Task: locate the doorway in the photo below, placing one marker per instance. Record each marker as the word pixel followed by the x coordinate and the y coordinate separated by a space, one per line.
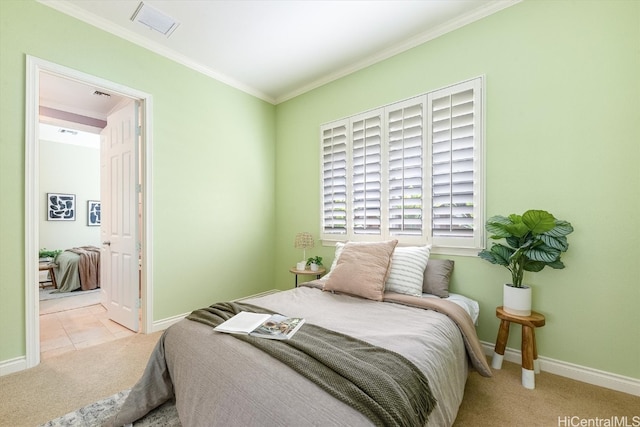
pixel 34 203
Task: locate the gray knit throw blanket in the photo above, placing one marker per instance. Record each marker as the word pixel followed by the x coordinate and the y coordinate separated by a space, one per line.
pixel 381 384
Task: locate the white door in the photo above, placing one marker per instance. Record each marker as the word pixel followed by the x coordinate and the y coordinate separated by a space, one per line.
pixel 119 186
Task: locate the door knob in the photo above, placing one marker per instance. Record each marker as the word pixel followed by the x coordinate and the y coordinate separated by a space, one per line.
pixel 107 243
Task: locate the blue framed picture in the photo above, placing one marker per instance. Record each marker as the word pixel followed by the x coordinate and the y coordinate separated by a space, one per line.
pixel 93 213
pixel 61 207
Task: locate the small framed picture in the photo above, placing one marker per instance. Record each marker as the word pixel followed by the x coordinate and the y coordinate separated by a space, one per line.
pixel 61 207
pixel 93 213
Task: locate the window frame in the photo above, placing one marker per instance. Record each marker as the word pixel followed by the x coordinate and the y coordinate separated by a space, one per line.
pixel 442 245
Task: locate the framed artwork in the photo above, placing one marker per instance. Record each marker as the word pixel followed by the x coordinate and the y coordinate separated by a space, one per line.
pixel 93 213
pixel 61 207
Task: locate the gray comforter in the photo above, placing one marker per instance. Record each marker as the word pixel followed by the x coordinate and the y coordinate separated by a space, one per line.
pixel 381 384
pixel 218 380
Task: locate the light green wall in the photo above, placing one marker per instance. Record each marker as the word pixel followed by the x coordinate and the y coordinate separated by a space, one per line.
pixel 213 159
pixel 562 134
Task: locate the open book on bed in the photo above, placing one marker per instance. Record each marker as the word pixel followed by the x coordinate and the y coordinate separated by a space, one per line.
pixel 271 326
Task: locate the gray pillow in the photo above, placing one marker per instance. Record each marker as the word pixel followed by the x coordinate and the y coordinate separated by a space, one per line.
pixel 437 276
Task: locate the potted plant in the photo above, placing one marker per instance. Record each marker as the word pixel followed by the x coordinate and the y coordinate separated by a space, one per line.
pixel 45 255
pixel 533 240
pixel 314 263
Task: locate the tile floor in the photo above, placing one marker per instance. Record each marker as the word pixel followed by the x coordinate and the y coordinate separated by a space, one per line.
pixel 74 329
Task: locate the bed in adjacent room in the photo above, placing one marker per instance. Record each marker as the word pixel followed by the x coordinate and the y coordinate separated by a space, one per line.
pixel 78 269
pixel 366 355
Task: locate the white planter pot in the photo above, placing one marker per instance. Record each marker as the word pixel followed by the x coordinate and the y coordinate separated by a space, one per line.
pixel 301 265
pixel 314 267
pixel 517 300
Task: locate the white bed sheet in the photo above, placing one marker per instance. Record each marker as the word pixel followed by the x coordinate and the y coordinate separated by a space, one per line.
pixel 471 306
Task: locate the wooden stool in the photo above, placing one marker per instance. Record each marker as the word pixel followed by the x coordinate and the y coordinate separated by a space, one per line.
pixel 45 266
pixel 530 365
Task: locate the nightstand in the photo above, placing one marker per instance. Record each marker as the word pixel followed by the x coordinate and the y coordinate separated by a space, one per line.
pixel 48 267
pixel 530 365
pixel 318 273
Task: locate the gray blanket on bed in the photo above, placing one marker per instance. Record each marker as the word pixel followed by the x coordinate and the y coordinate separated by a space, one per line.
pixel 219 380
pixel 381 384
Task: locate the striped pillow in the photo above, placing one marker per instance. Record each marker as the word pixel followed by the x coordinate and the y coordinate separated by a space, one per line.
pixel 407 269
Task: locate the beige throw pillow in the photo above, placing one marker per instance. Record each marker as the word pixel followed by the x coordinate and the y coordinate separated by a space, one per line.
pixel 362 269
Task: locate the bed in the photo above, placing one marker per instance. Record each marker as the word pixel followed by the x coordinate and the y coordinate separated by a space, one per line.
pixel 78 269
pixel 220 379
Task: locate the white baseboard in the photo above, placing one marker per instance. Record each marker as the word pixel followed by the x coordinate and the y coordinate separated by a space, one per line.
pixel 575 372
pixel 261 294
pixel 163 324
pixel 10 366
pixel 18 364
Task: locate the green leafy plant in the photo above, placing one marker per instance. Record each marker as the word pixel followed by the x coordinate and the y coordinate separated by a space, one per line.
pixel 534 240
pixel 44 253
pixel 315 260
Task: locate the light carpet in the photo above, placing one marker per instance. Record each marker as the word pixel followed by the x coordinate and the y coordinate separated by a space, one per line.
pixel 76 379
pixel 96 413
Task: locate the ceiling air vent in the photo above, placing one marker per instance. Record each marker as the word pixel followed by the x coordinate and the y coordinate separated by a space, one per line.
pixel 154 19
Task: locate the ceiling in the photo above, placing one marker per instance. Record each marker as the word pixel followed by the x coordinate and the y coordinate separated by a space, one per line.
pixel 278 49
pixel 70 104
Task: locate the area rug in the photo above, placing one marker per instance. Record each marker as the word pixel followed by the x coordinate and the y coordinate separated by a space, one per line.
pixel 94 414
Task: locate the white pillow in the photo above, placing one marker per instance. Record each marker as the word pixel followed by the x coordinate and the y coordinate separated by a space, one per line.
pixel 339 248
pixel 407 269
pixel 471 306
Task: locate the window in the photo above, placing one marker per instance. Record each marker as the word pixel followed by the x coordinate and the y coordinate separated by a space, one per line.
pixel 411 171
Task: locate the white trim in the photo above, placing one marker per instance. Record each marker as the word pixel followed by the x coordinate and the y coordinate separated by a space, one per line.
pixel 261 294
pixel 146 261
pixel 441 245
pixel 418 40
pixel 575 372
pixel 32 200
pixel 163 324
pixel 18 364
pixel 32 209
pixel 130 36
pixel 432 33
pixel 11 366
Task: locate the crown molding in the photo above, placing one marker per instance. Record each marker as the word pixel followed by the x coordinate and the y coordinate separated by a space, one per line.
pixel 431 34
pixel 130 36
pixel 103 24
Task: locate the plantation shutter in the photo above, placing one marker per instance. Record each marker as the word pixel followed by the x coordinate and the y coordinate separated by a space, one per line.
pixel 411 170
pixel 367 174
pixel 405 168
pixel 455 129
pixel 334 178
